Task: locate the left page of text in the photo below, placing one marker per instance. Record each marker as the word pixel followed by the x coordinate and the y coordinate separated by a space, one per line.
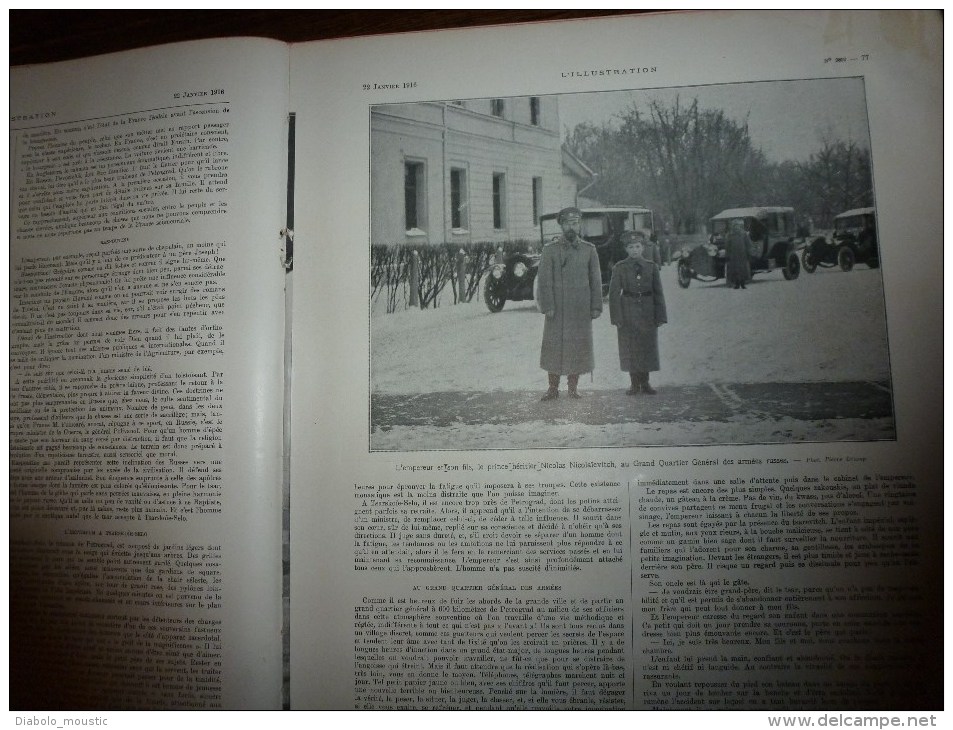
pixel 147 192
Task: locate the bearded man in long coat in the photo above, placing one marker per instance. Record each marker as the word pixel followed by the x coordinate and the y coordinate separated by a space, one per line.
pixel 570 295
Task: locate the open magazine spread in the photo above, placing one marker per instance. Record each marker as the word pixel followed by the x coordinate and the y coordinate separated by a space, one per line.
pixel 604 374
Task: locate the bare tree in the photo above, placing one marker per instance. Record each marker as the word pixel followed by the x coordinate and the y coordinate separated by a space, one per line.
pixel 683 161
pixel 389 266
pixel 479 261
pixel 436 270
pixel 837 178
pixel 699 160
pixel 689 163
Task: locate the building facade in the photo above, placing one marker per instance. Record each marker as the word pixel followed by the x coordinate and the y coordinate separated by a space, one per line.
pixel 467 171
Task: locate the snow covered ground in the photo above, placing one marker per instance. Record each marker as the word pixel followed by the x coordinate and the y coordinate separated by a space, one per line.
pixel 823 327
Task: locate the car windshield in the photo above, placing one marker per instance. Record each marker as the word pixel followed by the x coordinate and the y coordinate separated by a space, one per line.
pixel 782 222
pixel 594 226
pixel 719 227
pixel 845 224
pixel 641 220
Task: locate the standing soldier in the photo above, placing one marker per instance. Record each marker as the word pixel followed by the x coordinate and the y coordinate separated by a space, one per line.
pixel 637 309
pixel 737 247
pixel 665 251
pixel 651 250
pixel 570 295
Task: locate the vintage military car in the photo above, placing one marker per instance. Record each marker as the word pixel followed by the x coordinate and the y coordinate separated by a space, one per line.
pixel 854 240
pixel 775 244
pixel 513 279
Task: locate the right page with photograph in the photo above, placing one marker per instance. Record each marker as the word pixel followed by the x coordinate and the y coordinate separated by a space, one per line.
pixel 630 395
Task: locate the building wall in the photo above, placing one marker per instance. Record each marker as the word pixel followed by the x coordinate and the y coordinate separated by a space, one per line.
pixel 467 136
pixel 568 187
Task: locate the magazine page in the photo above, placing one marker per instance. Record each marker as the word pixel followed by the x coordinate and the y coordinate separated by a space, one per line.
pixel 616 378
pixel 147 315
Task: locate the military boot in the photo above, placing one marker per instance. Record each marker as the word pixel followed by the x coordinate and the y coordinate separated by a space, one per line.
pixel 573 381
pixel 636 384
pixel 553 392
pixel 646 388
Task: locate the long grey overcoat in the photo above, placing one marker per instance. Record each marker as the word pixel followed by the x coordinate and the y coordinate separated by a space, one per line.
pixel 570 295
pixel 737 263
pixel 637 308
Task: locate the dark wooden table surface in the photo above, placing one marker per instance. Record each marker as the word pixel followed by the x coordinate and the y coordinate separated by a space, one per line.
pixel 39 36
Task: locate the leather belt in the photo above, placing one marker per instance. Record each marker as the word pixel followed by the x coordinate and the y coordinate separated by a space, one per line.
pixel 637 294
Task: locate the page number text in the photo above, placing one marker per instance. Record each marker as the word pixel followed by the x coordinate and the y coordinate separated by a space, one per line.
pixel 847 59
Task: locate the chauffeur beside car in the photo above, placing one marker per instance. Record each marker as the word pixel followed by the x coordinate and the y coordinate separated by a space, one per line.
pixel 637 309
pixel 570 295
pixel 651 250
pixel 737 250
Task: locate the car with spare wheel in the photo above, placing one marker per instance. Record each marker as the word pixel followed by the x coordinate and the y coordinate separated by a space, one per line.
pixel 853 241
pixel 775 242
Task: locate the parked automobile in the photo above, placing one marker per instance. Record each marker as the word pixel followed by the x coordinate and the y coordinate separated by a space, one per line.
pixel 775 245
pixel 854 240
pixel 602 226
pixel 511 280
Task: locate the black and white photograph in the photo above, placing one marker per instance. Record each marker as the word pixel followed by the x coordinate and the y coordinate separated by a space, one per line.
pixel 659 267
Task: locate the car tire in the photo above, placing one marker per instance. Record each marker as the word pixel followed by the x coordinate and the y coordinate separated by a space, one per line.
pixel 495 300
pixel 845 258
pixel 684 274
pixel 792 266
pixel 808 261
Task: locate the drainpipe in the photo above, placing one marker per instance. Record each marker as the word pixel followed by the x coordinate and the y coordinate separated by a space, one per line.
pixel 443 175
pixel 583 189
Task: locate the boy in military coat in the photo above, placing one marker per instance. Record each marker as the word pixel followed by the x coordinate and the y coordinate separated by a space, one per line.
pixel 637 310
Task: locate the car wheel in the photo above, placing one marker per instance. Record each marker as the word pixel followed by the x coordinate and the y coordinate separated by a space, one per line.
pixel 493 295
pixel 792 267
pixel 873 262
pixel 684 273
pixel 810 263
pixel 845 258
